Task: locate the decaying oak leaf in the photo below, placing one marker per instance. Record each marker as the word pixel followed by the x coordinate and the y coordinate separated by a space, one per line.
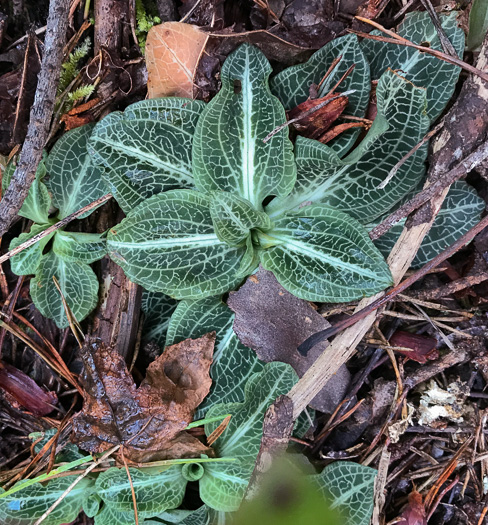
pixel 273 322
pixel 173 50
pixel 149 420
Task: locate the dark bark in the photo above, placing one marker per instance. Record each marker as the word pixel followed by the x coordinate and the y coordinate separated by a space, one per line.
pixel 40 116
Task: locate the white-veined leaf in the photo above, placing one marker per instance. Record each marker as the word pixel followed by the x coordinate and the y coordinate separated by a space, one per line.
pixel 158 308
pixel 27 261
pixel 228 150
pixel 147 150
pixel 321 254
pixel 349 488
pixel 168 244
pixel 233 363
pixel 28 505
pixel 73 180
pixel 292 85
pixel 79 247
pixel 351 185
pixel 156 491
pixel 38 201
pixel 78 283
pixel 438 77
pixel 223 485
pixel 460 211
pixel 234 217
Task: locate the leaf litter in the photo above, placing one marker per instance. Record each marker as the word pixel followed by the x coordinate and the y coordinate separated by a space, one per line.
pixel 149 420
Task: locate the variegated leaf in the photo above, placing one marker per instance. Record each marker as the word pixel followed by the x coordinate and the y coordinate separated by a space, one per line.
pixel 292 85
pixel 438 77
pixel 27 261
pixel 234 217
pixel 146 150
pixel 223 485
pixel 460 211
pixel 168 244
pixel 158 308
pixel 321 254
pixel 77 281
pixel 73 180
pixel 233 363
pixel 351 185
pixel 28 505
pixel 228 150
pixel 349 488
pixel 79 247
pixel 38 201
pixel 155 490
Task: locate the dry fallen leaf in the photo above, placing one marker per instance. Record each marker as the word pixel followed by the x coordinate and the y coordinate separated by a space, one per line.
pixel 149 420
pixel 273 322
pixel 173 50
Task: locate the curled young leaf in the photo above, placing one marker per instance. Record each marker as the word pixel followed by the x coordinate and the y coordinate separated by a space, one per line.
pixel 79 247
pixel 168 244
pixel 229 152
pixel 322 254
pixel 234 217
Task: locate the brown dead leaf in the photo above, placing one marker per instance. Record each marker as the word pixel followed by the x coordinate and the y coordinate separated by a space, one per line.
pixel 149 420
pixel 173 50
pixel 80 115
pixel 423 348
pixel 273 322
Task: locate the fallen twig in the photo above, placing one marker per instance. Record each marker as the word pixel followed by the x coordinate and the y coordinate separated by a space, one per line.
pixel 40 116
pixel 54 227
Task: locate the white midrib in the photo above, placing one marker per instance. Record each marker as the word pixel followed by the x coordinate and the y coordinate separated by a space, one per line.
pixel 248 146
pixel 156 161
pixel 306 249
pixel 199 240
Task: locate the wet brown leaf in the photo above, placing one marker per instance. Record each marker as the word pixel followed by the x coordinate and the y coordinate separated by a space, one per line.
pixel 273 322
pixel 414 513
pixel 149 420
pixel 173 50
pixel 423 348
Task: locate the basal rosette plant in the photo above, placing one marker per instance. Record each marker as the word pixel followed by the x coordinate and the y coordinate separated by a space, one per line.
pixel 65 181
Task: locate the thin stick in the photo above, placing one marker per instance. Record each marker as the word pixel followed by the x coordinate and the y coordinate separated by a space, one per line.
pixel 75 482
pixel 396 39
pixel 40 116
pixel 445 42
pixel 54 227
pixel 306 114
pixel 339 327
pixel 402 161
pixel 460 170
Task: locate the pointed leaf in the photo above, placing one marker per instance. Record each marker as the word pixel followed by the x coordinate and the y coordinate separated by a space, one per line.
pixel 233 217
pixel 349 487
pixel 156 491
pixel 438 77
pixel 27 261
pixel 292 85
pixel 351 185
pixel 233 363
pixel 326 256
pixel 460 211
pixel 73 179
pixel 147 150
pixel 157 308
pixel 228 151
pixel 168 244
pixel 79 247
pixel 78 283
pixel 38 201
pixel 478 24
pixel 223 485
pixel 28 505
